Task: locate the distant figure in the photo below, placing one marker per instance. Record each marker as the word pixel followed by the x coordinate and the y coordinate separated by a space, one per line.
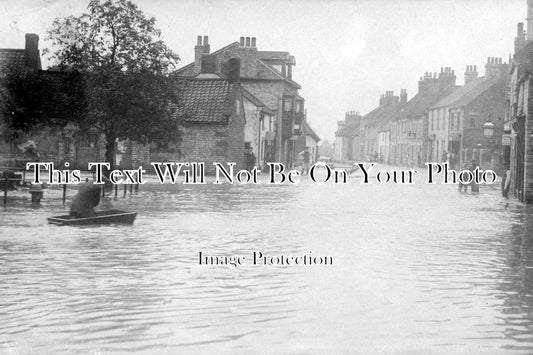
pixel 306 155
pixel 87 198
pixel 250 159
pixel 506 183
pixel 473 186
pixel 444 156
pixel 466 166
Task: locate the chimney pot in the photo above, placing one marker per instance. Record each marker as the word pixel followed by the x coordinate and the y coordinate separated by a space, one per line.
pixel 242 41
pixel 520 30
pixel 253 41
pixel 206 42
pixel 199 41
pixel 247 41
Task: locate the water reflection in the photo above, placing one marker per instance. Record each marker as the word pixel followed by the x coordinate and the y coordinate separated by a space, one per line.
pixel 415 267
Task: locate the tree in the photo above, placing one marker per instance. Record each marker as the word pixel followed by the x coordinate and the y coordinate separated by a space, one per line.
pixel 32 100
pixel 125 66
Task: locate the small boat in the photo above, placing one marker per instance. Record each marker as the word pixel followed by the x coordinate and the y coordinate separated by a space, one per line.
pixel 100 217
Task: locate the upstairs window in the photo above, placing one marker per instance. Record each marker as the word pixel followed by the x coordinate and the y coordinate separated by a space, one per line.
pixel 298 106
pixel 287 104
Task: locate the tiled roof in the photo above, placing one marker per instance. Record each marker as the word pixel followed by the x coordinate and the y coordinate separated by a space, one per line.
pixel 204 100
pixel 419 104
pixel 465 94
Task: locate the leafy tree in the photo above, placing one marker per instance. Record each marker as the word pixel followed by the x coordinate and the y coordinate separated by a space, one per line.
pixel 32 100
pixel 124 65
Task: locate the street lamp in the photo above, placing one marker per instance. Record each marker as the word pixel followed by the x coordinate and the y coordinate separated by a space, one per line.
pixel 488 129
pixel 488 132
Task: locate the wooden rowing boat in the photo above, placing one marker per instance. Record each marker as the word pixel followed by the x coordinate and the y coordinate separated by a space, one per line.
pixel 100 217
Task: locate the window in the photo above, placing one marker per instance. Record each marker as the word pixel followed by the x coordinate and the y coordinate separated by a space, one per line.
pixel 88 141
pixel 298 106
pixel 472 122
pixel 287 104
pixel 452 121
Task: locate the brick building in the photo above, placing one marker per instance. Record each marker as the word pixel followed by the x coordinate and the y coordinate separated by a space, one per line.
pixel 349 138
pixel 268 76
pixel 211 111
pixel 519 118
pixel 52 146
pixel 456 121
pixel 409 138
pixel 308 139
pixel 376 126
pixel 260 129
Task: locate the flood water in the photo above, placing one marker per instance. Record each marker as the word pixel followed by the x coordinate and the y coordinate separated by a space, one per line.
pixel 417 269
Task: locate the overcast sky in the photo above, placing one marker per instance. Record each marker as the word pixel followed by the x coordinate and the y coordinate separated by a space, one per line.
pixel 347 52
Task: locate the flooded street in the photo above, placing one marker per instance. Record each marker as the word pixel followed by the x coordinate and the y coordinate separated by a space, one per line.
pixel 416 269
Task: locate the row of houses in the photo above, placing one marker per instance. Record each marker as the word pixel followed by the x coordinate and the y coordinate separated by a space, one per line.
pixel 489 119
pixel 441 122
pixel 231 100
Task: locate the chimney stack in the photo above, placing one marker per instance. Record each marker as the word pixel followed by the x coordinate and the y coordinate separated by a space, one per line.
pixel 234 70
pixel 201 48
pixel 32 57
pixel 446 80
pixel 208 64
pixel 495 68
pixel 403 96
pixel 470 73
pixel 207 47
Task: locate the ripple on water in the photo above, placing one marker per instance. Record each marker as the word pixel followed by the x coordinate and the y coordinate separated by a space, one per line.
pixel 418 266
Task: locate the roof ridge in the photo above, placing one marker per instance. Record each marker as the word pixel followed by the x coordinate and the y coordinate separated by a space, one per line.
pixel 213 53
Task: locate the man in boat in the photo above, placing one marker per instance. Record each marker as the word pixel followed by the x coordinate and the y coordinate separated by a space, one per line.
pixel 87 198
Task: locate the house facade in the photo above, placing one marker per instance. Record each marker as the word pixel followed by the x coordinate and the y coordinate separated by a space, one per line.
pixel 456 121
pixel 268 76
pixel 410 142
pixel 518 127
pixel 377 126
pixel 349 138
